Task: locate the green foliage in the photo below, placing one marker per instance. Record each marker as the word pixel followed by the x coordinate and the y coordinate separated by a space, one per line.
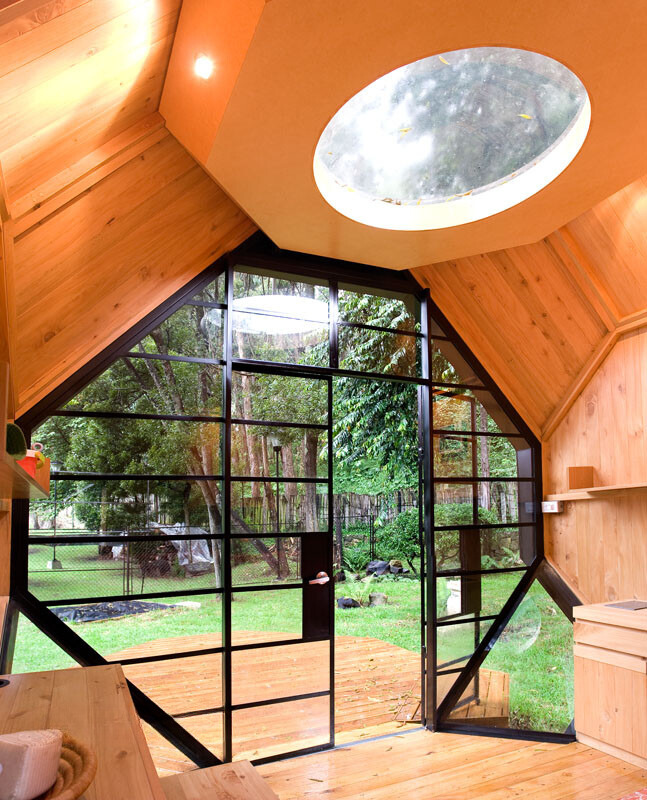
pixel 401 538
pixel 357 557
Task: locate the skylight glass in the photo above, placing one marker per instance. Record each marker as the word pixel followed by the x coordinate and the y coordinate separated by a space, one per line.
pixel 452 138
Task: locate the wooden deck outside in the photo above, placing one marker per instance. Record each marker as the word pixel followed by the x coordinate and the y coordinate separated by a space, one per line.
pixel 377 691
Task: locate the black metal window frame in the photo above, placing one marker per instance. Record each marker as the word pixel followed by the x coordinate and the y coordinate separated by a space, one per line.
pixel 259 253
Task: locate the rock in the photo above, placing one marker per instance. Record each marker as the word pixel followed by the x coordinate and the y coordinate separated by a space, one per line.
pixel 347 602
pixel 394 562
pixel 377 568
pixel 340 577
pixel 395 570
pixel 189 604
pixel 377 599
pixel 352 576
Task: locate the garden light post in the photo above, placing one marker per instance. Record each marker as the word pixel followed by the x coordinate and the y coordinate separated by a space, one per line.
pixel 276 446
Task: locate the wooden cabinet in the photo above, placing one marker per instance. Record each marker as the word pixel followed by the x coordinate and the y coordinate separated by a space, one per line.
pixel 611 680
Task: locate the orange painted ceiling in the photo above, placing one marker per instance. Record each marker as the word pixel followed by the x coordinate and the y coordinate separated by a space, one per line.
pixel 284 67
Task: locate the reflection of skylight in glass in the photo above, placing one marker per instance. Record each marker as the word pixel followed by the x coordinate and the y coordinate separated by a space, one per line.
pixel 452 138
pixel 279 314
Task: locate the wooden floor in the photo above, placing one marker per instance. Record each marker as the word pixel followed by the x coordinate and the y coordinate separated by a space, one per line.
pixel 441 766
pixel 377 692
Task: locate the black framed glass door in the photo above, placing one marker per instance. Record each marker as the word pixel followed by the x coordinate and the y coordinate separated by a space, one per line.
pixel 278 636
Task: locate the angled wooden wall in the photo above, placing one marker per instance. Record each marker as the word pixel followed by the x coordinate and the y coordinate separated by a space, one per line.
pixel 99 263
pixel 600 545
pixel 542 318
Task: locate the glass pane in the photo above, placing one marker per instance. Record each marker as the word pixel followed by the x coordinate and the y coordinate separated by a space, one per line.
pixel 191 331
pixel 526 680
pixel 274 672
pixel 301 508
pixel 214 292
pixel 36 652
pixel 281 728
pixel 125 629
pixel 287 452
pixel 448 366
pixel 280 339
pixel 496 503
pixel 207 729
pixel 402 153
pixel 279 398
pixel 456 643
pixel 132 386
pixel 483 456
pixel 97 507
pixel 496 548
pixel 263 283
pixel 262 561
pixel 468 410
pixel 479 595
pixel 266 616
pixel 168 760
pixel 365 350
pixel 180 685
pixel 383 309
pixel 146 446
pixel 188 388
pixel 73 571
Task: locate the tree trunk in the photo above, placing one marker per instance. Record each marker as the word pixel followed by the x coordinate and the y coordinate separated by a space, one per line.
pixel 484 458
pixel 310 450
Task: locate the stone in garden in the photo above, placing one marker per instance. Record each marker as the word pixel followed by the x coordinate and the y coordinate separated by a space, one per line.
pixel 347 602
pixel 377 568
pixel 189 604
pixel 340 577
pixel 395 570
pixel 377 599
pixel 395 562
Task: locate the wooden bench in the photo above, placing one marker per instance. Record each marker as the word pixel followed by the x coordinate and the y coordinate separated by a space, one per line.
pixel 236 781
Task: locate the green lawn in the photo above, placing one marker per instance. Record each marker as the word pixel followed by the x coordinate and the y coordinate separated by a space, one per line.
pixel 540 669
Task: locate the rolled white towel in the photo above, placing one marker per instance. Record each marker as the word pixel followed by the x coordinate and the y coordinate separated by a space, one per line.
pixel 28 763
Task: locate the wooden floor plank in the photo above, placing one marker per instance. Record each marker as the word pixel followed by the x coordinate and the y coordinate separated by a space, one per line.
pixel 377 686
pixel 440 766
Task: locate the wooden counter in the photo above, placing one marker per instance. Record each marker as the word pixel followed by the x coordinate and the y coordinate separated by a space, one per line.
pixel 611 680
pixel 93 705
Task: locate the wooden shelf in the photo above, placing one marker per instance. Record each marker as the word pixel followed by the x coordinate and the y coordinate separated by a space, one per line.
pixel 17 484
pixel 591 492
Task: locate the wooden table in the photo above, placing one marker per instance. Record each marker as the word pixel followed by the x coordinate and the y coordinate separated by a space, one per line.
pixel 93 705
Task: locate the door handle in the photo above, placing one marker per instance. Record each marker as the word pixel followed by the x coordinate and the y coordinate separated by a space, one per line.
pixel 321 578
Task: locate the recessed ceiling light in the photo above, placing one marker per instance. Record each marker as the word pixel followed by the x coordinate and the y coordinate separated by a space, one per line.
pixel 452 139
pixel 203 67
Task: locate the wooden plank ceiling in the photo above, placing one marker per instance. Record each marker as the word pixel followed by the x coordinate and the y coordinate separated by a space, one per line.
pixel 104 214
pixel 542 318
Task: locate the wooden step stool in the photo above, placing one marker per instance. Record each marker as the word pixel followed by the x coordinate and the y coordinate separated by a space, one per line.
pixel 237 781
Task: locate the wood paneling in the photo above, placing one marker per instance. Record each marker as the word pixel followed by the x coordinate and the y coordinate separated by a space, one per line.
pixel 73 75
pixel 100 262
pixel 542 318
pixel 523 314
pixel 601 544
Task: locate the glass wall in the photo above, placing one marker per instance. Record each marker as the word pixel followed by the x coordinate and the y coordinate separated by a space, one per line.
pixel 207 480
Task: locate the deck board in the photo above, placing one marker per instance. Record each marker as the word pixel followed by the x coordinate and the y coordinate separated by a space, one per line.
pixel 377 692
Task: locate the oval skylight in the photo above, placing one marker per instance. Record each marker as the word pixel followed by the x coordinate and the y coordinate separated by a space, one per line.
pixel 452 138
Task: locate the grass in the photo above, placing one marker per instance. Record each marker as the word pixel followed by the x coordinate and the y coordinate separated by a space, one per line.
pixel 541 669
